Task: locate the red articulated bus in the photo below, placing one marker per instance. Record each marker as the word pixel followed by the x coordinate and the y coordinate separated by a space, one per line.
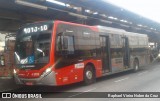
pixel 60 53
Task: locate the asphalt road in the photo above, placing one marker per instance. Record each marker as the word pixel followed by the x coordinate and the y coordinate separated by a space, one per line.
pixel 147 79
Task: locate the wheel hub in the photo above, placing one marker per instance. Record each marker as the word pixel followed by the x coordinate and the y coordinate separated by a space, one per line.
pixel 136 66
pixel 89 75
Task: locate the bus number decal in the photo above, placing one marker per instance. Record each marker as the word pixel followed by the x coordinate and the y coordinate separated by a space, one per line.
pixel 79 65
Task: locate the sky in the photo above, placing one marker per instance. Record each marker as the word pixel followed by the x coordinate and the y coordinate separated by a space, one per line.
pixel 146 8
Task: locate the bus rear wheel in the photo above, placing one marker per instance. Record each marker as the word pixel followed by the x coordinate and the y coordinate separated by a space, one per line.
pixel 89 75
pixel 136 65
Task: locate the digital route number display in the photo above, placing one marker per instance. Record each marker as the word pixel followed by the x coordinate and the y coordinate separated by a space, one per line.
pixel 35 29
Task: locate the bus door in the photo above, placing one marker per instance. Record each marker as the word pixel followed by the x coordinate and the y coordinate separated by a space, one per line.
pixel 126 53
pixel 105 53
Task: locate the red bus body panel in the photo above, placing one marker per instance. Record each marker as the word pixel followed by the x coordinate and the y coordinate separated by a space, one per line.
pixel 65 75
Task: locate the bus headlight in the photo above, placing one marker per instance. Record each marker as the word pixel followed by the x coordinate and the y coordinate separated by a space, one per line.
pixel 14 71
pixel 47 71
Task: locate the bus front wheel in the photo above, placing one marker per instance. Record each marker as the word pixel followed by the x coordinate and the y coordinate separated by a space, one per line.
pixel 89 75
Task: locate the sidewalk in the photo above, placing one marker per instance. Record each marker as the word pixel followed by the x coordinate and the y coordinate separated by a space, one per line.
pixel 7 83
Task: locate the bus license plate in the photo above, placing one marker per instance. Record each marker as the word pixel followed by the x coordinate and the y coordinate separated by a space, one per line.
pixel 29 83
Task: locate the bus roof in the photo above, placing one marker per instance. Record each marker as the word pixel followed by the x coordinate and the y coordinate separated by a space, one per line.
pixel 118 31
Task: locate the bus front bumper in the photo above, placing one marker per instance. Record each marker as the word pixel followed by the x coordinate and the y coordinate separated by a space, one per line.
pixel 49 80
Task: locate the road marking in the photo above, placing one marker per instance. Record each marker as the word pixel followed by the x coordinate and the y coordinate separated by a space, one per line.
pixel 142 73
pixel 90 90
pixel 8 90
pixel 155 68
pixel 121 80
pixel 82 92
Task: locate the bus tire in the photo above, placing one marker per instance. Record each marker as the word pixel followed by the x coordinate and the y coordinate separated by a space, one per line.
pixel 135 65
pixel 89 75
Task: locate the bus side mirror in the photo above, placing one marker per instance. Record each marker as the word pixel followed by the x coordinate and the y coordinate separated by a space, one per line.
pixel 65 42
pixel 66 39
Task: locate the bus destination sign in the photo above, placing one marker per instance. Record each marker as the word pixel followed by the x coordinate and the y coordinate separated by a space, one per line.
pixel 35 29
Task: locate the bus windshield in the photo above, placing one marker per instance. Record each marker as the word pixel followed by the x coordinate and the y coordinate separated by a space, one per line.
pixel 33 46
